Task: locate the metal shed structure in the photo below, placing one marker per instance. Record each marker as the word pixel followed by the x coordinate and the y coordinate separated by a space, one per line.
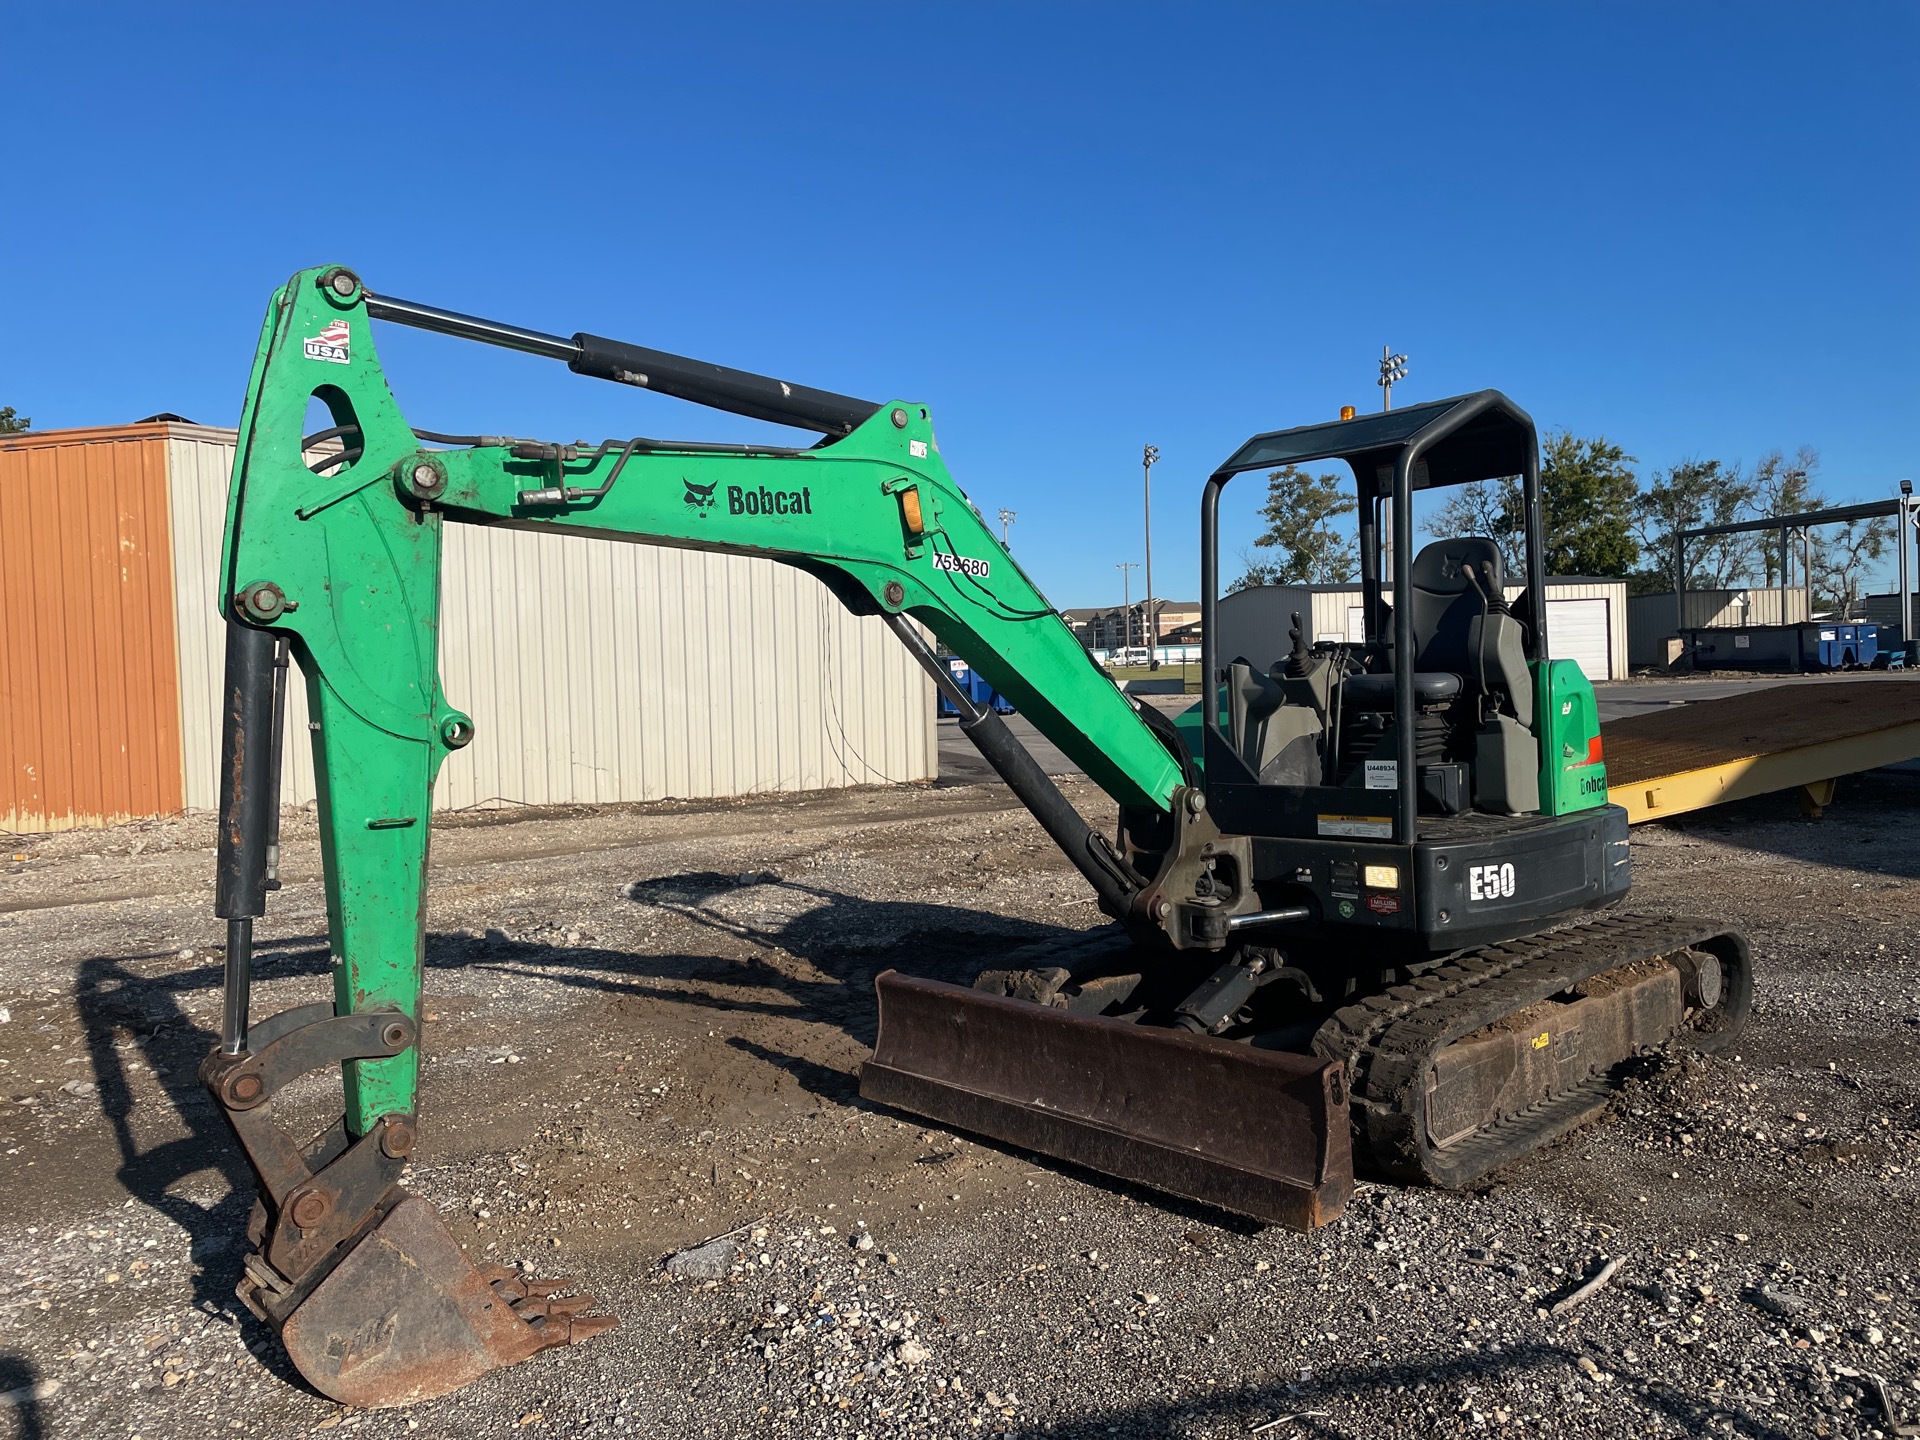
pixel 596 671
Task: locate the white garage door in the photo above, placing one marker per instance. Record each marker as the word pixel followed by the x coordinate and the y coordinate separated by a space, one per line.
pixel 1577 630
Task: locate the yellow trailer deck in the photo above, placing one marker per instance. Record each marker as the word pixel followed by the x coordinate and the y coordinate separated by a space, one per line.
pixel 1779 738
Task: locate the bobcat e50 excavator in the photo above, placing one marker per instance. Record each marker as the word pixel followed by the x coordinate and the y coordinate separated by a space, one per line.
pixel 1364 896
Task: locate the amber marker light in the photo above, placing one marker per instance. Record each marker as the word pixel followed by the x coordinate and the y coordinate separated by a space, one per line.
pixel 1346 412
pixel 910 510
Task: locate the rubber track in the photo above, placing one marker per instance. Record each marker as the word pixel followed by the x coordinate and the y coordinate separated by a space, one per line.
pixel 1389 1039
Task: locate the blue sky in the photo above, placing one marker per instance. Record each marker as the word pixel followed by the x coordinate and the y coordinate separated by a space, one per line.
pixel 1070 229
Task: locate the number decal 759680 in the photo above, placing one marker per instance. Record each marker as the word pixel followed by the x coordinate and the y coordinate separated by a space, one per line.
pixel 962 565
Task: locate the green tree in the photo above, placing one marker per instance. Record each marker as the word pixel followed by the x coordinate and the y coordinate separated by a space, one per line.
pixel 1303 514
pixel 1690 494
pixel 1587 496
pixel 12 423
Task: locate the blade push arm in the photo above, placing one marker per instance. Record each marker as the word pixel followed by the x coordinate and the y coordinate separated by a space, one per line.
pixel 344 559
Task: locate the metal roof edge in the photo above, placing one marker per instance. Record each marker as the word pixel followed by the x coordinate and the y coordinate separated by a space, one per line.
pixel 100 434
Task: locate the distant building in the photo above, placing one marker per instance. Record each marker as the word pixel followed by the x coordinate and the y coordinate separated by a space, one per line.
pixel 1116 628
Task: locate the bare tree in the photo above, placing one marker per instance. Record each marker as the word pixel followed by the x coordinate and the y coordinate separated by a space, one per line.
pixel 1841 562
pixel 1783 487
pixel 1492 508
pixel 1688 495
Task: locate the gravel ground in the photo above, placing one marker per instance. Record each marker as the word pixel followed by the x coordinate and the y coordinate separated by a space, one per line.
pixel 643 1026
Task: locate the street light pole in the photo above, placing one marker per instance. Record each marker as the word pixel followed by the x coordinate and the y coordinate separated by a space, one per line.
pixel 1006 519
pixel 1126 569
pixel 1149 454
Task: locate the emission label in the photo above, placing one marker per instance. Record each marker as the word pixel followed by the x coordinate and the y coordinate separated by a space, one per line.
pixel 1356 827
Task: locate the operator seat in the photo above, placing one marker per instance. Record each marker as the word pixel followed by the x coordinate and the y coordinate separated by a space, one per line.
pixel 1448 605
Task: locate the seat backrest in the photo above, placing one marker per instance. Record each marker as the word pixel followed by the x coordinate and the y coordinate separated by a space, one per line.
pixel 1446 602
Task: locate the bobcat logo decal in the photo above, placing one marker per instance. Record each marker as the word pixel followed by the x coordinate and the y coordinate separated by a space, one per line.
pixel 699 497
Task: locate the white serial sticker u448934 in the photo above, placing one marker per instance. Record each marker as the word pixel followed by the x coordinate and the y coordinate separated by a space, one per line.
pixel 330 344
pixel 962 565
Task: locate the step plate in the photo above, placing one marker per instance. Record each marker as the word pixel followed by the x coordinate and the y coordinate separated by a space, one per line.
pixel 1262 1133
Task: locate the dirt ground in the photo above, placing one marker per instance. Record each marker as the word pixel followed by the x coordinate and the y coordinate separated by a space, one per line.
pixel 643 1027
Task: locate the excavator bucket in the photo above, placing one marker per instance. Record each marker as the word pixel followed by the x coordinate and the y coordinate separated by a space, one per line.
pixel 1259 1132
pixel 405 1316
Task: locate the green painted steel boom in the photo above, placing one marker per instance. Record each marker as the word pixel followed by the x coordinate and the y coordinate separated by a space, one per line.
pixel 343 559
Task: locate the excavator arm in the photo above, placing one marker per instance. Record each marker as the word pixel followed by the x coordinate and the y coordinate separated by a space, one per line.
pixel 333 560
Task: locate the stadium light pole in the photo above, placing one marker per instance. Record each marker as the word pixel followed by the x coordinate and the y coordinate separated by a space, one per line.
pixel 1392 368
pixel 1149 454
pixel 1006 519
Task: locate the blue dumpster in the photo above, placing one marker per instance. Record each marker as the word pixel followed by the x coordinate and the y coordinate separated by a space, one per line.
pixel 974 686
pixel 1848 647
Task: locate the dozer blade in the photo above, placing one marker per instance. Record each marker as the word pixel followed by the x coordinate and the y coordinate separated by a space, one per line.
pixel 405 1316
pixel 1259 1132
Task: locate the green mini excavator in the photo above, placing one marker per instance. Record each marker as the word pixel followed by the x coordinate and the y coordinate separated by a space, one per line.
pixel 1363 900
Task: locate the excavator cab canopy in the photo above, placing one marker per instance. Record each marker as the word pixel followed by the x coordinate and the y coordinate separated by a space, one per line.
pixel 1417 659
pixel 1495 439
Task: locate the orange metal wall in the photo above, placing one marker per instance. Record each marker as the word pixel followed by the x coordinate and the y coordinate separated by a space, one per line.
pixel 89 680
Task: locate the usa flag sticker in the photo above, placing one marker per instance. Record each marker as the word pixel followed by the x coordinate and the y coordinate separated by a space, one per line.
pixel 330 344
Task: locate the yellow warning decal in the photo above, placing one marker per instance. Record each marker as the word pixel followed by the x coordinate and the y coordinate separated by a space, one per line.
pixel 1542 1040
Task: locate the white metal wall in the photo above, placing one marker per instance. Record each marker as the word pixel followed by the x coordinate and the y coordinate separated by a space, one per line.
pixel 199 466
pixel 597 670
pixel 1765 605
pixel 1336 613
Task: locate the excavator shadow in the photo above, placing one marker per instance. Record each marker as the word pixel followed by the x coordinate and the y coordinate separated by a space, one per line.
pixel 788 949
pixel 20 1382
pixel 128 1015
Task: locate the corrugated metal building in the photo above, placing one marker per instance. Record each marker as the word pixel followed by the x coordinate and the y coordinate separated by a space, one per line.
pixel 1884 611
pixel 1586 619
pixel 595 670
pixel 89 697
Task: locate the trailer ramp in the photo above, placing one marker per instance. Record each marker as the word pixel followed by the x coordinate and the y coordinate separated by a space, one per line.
pixel 1780 738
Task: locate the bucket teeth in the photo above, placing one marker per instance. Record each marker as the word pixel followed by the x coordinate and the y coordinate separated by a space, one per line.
pixel 568 1305
pixel 405 1316
pixel 571 1329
